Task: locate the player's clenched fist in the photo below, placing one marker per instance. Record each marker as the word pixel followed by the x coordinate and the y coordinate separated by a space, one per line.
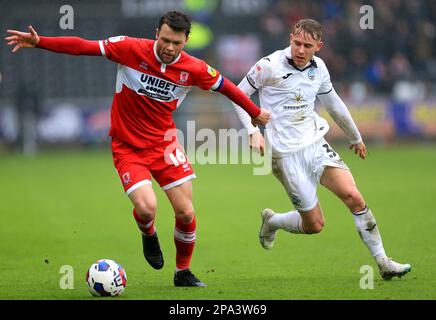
pixel 22 39
pixel 262 118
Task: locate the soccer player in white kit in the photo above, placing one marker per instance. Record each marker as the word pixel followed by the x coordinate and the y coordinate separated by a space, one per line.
pixel 288 82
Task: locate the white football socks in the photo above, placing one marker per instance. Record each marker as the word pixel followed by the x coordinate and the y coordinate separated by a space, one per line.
pixel 290 221
pixel 365 223
pixel 368 231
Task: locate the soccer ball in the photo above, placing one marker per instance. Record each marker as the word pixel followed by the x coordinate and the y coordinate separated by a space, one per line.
pixel 106 278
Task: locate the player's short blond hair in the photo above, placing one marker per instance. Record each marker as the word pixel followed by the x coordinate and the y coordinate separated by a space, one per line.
pixel 308 26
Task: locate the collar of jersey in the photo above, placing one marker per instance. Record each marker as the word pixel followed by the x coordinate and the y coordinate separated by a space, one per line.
pixel 158 59
pixel 288 55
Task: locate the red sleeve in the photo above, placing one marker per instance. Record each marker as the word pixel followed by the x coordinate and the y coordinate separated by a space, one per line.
pixel 231 91
pixel 117 49
pixel 207 78
pixel 70 45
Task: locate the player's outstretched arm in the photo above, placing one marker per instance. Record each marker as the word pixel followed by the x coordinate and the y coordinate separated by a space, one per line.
pixel 231 91
pixel 340 114
pixel 68 45
pixel 256 139
pixel 21 40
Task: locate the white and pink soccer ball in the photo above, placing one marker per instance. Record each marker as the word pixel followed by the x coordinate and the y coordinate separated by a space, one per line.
pixel 106 278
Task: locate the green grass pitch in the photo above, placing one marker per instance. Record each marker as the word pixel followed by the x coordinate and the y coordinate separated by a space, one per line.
pixel 61 209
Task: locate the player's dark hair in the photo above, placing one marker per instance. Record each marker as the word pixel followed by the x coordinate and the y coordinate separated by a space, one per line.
pixel 309 26
pixel 176 21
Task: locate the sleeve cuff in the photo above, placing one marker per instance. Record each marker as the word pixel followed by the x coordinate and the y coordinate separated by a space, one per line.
pixel 252 130
pixel 356 141
pixel 103 52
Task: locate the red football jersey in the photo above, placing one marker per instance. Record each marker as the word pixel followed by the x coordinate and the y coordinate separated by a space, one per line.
pixel 148 91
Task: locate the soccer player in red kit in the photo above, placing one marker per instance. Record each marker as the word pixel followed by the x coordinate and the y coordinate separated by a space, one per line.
pixel 153 78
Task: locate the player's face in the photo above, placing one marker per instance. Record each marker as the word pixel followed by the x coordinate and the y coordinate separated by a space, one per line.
pixel 303 48
pixel 169 43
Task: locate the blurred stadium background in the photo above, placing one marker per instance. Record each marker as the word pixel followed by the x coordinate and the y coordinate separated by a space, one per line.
pixel 387 75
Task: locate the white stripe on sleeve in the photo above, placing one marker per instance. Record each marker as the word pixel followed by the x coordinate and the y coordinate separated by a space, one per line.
pixel 103 52
pixel 217 83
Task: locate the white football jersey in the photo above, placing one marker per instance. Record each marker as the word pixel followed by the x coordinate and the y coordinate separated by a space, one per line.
pixel 289 93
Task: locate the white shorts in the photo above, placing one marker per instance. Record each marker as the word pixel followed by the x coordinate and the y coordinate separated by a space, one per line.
pixel 300 172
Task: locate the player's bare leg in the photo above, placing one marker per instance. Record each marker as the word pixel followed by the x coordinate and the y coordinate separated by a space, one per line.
pixel 308 222
pixel 145 203
pixel 184 234
pixel 313 220
pixel 341 183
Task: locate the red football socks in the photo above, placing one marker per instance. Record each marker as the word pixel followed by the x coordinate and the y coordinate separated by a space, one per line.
pixel 184 239
pixel 146 226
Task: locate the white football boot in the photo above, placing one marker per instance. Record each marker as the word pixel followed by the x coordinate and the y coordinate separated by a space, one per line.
pixel 389 268
pixel 266 233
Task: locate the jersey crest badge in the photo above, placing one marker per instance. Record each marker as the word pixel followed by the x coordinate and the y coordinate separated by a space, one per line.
pixel 126 178
pixel 311 74
pixel 211 71
pixel 143 65
pixel 183 77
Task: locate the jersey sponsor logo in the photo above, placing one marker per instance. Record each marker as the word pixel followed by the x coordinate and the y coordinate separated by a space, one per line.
pixel 298 97
pixel 311 74
pixel 288 107
pixel 156 88
pixel 151 86
pixel 211 71
pixel 116 39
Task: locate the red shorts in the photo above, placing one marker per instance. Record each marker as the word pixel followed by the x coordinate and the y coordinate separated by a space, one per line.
pixel 167 163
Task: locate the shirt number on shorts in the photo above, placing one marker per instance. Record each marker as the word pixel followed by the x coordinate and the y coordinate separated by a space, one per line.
pixel 329 151
pixel 178 158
